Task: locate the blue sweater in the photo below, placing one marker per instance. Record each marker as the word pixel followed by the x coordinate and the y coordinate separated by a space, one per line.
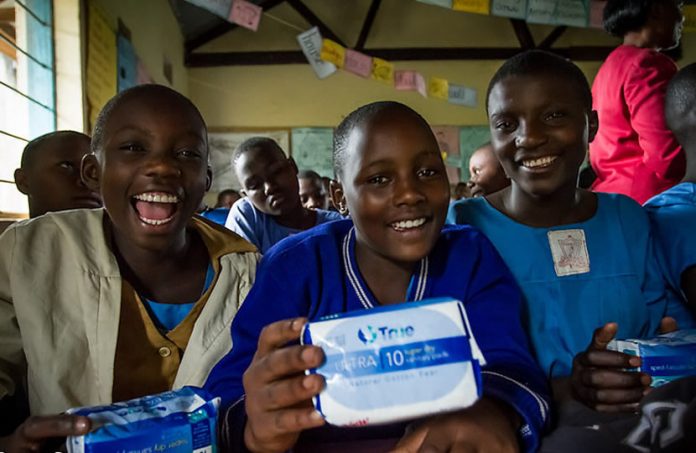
pixel 315 274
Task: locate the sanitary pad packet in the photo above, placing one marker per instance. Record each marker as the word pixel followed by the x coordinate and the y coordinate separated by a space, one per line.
pixel 396 362
pixel 180 421
pixel 666 357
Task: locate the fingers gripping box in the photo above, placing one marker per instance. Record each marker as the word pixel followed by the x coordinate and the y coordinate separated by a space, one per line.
pixel 396 362
pixel 180 421
pixel 666 357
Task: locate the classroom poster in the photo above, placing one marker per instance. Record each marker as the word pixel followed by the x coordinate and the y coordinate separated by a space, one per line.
pixel 515 9
pixel 101 62
pixel 310 42
pixel 223 144
pixel 312 149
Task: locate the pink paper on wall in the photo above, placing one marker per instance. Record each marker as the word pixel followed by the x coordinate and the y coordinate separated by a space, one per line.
pixel 246 14
pixel 405 80
pixel 358 63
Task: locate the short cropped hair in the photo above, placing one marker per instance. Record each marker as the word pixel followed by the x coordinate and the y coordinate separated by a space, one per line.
pixel 256 143
pixel 102 118
pixel 540 62
pixel 679 100
pixel 31 149
pixel 359 117
pixel 309 174
pixel 623 16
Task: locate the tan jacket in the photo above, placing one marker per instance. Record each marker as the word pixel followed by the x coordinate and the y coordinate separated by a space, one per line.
pixel 60 298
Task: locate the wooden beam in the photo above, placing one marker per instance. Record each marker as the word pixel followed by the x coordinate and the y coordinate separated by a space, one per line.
pixel 552 37
pixel 313 20
pixel 220 29
pixel 524 36
pixel 414 54
pixel 367 25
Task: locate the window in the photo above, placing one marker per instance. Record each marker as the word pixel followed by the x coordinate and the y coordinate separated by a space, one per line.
pixel 27 88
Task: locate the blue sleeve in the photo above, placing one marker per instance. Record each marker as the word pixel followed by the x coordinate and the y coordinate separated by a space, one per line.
pixel 243 220
pixel 452 217
pixel 511 375
pixel 268 301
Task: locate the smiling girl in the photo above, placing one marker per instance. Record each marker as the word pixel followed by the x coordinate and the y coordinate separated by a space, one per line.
pixel 392 181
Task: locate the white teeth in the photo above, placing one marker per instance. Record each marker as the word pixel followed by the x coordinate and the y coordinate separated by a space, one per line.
pixel 155 221
pixel 408 224
pixel 157 197
pixel 540 162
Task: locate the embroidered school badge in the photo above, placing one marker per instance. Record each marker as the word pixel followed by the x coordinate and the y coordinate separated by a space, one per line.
pixel 569 251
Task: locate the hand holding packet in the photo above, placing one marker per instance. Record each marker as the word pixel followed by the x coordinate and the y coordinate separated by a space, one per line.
pixel 666 357
pixel 179 421
pixel 396 362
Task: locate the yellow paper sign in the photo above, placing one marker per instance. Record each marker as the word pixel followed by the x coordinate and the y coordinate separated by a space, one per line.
pixel 333 52
pixel 472 6
pixel 383 71
pixel 689 12
pixel 438 88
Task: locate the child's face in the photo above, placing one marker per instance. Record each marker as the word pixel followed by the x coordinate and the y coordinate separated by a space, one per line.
pixel 269 179
pixel 153 168
pixel 395 187
pixel 312 194
pixel 52 181
pixel 540 130
pixel 487 176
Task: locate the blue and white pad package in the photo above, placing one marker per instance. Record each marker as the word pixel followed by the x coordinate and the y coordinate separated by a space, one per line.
pixel 665 358
pixel 396 362
pixel 180 421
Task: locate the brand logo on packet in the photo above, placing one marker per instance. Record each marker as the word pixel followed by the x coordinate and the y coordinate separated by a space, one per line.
pixel 385 333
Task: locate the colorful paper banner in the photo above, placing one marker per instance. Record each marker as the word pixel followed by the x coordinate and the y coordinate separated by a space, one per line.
pixel 516 9
pixel 220 8
pixel 461 95
pixel 310 42
pixel 333 52
pixel 246 14
pixel 444 3
pixel 438 88
pixel 472 6
pixel 383 71
pixel 357 63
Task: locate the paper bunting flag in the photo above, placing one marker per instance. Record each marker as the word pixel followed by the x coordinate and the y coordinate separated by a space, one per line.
pixel 689 12
pixel 472 6
pixel 516 9
pixel 405 80
pixel 443 3
pixel 310 42
pixel 420 85
pixel 383 71
pixel 462 95
pixel 333 52
pixel 558 12
pixel 357 63
pixel 246 14
pixel 438 88
pixel 220 8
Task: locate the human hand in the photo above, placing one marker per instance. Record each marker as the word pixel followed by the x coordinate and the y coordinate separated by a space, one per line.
pixel 487 426
pixel 599 379
pixel 35 431
pixel 278 394
pixel 668 325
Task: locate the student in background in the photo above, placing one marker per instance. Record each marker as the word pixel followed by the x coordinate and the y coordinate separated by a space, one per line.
pixel 634 153
pixel 312 193
pixel 271 210
pixel 392 181
pixel 227 198
pixel 673 212
pixel 49 174
pixel 584 261
pixel 137 298
pixel 486 173
pixel 461 190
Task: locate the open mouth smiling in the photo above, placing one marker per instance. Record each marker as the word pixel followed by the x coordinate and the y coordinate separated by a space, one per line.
pixel 407 225
pixel 155 208
pixel 539 163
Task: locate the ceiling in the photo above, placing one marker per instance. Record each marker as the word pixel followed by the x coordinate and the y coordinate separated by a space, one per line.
pixel 202 28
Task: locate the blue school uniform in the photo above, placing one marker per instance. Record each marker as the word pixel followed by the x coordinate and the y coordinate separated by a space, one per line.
pixel 673 217
pixel 577 277
pixel 261 229
pixel 314 274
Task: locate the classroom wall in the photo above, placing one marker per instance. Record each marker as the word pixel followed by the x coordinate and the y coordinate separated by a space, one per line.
pixel 291 95
pixel 155 34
